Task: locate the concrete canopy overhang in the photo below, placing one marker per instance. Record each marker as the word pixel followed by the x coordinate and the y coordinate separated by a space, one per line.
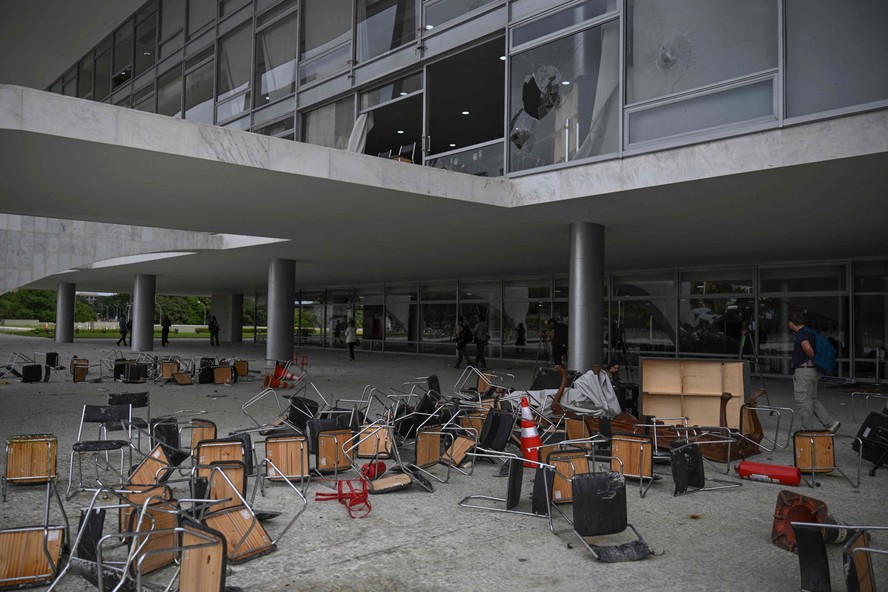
pixel 350 219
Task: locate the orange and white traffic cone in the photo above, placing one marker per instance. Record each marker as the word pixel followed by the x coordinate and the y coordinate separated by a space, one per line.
pixel 281 373
pixel 530 436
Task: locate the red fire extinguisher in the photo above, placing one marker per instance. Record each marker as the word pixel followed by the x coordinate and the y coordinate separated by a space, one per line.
pixel 782 474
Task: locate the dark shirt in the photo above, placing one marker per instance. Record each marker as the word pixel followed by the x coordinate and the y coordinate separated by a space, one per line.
pixel 799 357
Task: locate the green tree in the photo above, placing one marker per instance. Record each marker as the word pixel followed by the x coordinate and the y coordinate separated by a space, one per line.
pixel 83 311
pixel 29 304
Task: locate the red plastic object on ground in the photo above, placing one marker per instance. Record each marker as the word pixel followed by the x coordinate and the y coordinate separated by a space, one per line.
pixel 782 474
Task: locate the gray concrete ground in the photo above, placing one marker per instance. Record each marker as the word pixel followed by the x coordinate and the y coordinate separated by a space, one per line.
pixel 414 540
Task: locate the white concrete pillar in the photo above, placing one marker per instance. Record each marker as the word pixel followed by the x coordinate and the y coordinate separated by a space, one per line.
pixel 281 291
pixel 64 329
pixel 585 337
pixel 142 339
pixel 229 311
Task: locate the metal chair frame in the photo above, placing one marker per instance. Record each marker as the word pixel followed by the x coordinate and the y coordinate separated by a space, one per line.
pixel 100 414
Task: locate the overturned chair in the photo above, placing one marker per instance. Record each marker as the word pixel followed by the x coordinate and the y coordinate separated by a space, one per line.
pixel 599 509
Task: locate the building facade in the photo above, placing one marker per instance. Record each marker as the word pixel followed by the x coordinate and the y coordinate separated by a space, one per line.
pixel 599 111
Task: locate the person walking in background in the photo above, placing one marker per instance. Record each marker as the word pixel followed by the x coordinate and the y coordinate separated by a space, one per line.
pixel 481 339
pixel 462 337
pixel 805 377
pixel 557 335
pixel 214 331
pixel 121 322
pixel 351 338
pixel 520 338
pixel 165 324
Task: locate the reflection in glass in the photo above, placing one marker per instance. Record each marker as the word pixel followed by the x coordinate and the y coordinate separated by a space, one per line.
pixel 277 128
pixel 103 76
pixel 276 62
pixel 717 281
pixel 644 284
pixel 438 322
pixel 391 91
pixel 326 32
pixel 169 93
pixel 401 321
pixel 871 276
pixel 646 325
pixel 199 94
pixel 678 45
pixel 562 20
pixel 708 111
pixel 834 51
pixel 85 78
pixel 826 314
pixel 123 54
pixel 146 44
pixel 483 161
pixel 172 18
pixel 564 100
pixel 715 325
pixel 330 125
pixel 200 13
pixel 234 73
pixel 438 13
pixel 871 327
pixel 815 278
pixel 226 7
pixel 384 25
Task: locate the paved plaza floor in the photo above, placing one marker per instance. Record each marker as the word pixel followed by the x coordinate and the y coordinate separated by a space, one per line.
pixel 415 540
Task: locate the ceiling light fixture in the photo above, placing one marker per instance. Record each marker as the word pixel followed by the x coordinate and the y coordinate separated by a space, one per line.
pixel 453 145
pixel 465 112
pixel 502 58
pixel 400 131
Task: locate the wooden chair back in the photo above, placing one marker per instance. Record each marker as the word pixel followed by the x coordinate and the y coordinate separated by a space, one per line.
pixel 31 458
pixel 814 451
pixel 331 457
pixel 290 455
pixel 23 561
pixel 245 536
pixel 637 454
pixel 567 464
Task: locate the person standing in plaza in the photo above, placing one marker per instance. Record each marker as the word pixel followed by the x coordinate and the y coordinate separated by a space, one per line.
pixel 214 331
pixel 557 335
pixel 121 323
pixel 481 339
pixel 462 337
pixel 805 377
pixel 520 338
pixel 165 324
pixel 351 338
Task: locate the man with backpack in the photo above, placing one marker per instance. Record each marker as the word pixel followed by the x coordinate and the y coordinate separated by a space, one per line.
pixel 806 375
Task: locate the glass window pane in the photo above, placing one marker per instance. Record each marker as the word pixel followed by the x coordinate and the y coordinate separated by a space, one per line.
pixel 103 76
pixel 484 161
pixel 717 281
pixel 123 54
pixel 714 325
pixel 276 62
pixel 234 63
pixel 169 47
pixel 562 20
pixel 69 83
pixel 330 125
pixel 465 98
pixel 445 291
pixel 818 278
pixel 870 332
pixel 277 128
pixel 834 51
pixel 200 12
pixel 643 285
pixel 85 78
pixel 172 17
pixel 384 25
pixel 438 322
pixel 199 94
pixel 446 10
pixel 145 103
pixel 169 93
pixel 703 112
pixel 227 7
pixel 146 44
pixel 391 91
pixel 871 276
pixel 270 15
pixel 233 107
pixel 565 100
pixel 826 314
pixel 326 32
pixel 401 320
pixel 677 45
pixel 646 325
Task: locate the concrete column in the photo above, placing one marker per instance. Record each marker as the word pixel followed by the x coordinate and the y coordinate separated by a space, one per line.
pixel 64 330
pixel 281 291
pixel 142 339
pixel 229 311
pixel 585 337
